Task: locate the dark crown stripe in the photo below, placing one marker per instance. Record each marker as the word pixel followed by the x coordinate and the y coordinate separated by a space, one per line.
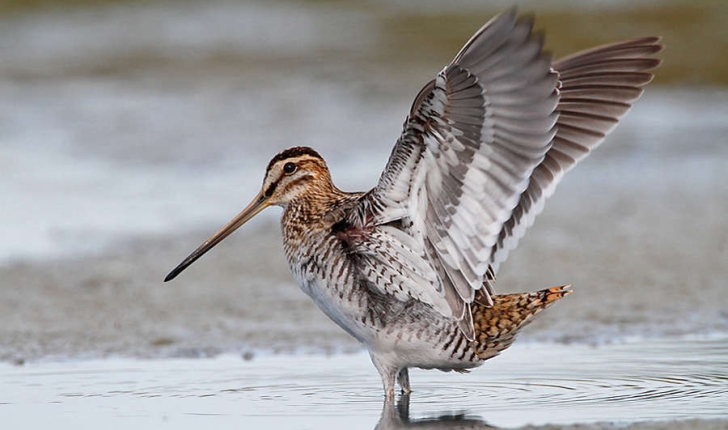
pixel 294 152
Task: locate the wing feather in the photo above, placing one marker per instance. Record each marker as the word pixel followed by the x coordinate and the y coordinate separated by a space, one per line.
pixel 484 145
pixel 598 87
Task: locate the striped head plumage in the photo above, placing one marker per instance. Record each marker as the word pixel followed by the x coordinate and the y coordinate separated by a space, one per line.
pixel 294 173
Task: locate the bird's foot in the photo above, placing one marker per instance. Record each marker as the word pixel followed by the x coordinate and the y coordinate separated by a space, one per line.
pixel 404 381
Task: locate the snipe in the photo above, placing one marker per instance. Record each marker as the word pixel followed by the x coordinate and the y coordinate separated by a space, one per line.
pixel 408 267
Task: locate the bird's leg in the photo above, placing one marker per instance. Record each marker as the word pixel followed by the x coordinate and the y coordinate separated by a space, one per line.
pixel 388 374
pixel 403 379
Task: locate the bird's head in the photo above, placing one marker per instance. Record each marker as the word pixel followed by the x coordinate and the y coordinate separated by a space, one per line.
pixel 296 173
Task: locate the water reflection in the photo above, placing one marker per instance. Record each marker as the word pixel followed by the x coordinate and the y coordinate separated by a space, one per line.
pixel 397 416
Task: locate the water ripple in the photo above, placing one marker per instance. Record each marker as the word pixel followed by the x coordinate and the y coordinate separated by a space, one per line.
pixel 529 384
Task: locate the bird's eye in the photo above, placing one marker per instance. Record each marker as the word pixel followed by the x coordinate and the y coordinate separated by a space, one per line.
pixel 289 168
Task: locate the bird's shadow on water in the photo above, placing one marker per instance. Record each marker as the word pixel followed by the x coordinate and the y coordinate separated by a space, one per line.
pixel 398 417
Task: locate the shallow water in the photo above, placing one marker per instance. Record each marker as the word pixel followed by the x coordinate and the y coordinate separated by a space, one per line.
pixel 666 379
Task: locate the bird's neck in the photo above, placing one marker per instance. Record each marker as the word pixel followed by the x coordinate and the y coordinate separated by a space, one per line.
pixel 317 208
pixel 308 222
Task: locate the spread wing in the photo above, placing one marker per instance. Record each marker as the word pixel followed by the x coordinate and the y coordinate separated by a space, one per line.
pixel 479 152
pixel 598 87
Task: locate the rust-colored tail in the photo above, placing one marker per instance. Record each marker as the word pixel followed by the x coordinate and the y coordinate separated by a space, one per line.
pixel 496 327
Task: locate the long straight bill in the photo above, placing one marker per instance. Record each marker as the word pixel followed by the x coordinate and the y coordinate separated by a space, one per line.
pixel 257 205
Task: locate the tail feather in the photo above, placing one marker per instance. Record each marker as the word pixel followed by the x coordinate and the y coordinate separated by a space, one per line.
pixel 496 326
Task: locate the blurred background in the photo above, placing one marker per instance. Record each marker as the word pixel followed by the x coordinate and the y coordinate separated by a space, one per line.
pixel 131 130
